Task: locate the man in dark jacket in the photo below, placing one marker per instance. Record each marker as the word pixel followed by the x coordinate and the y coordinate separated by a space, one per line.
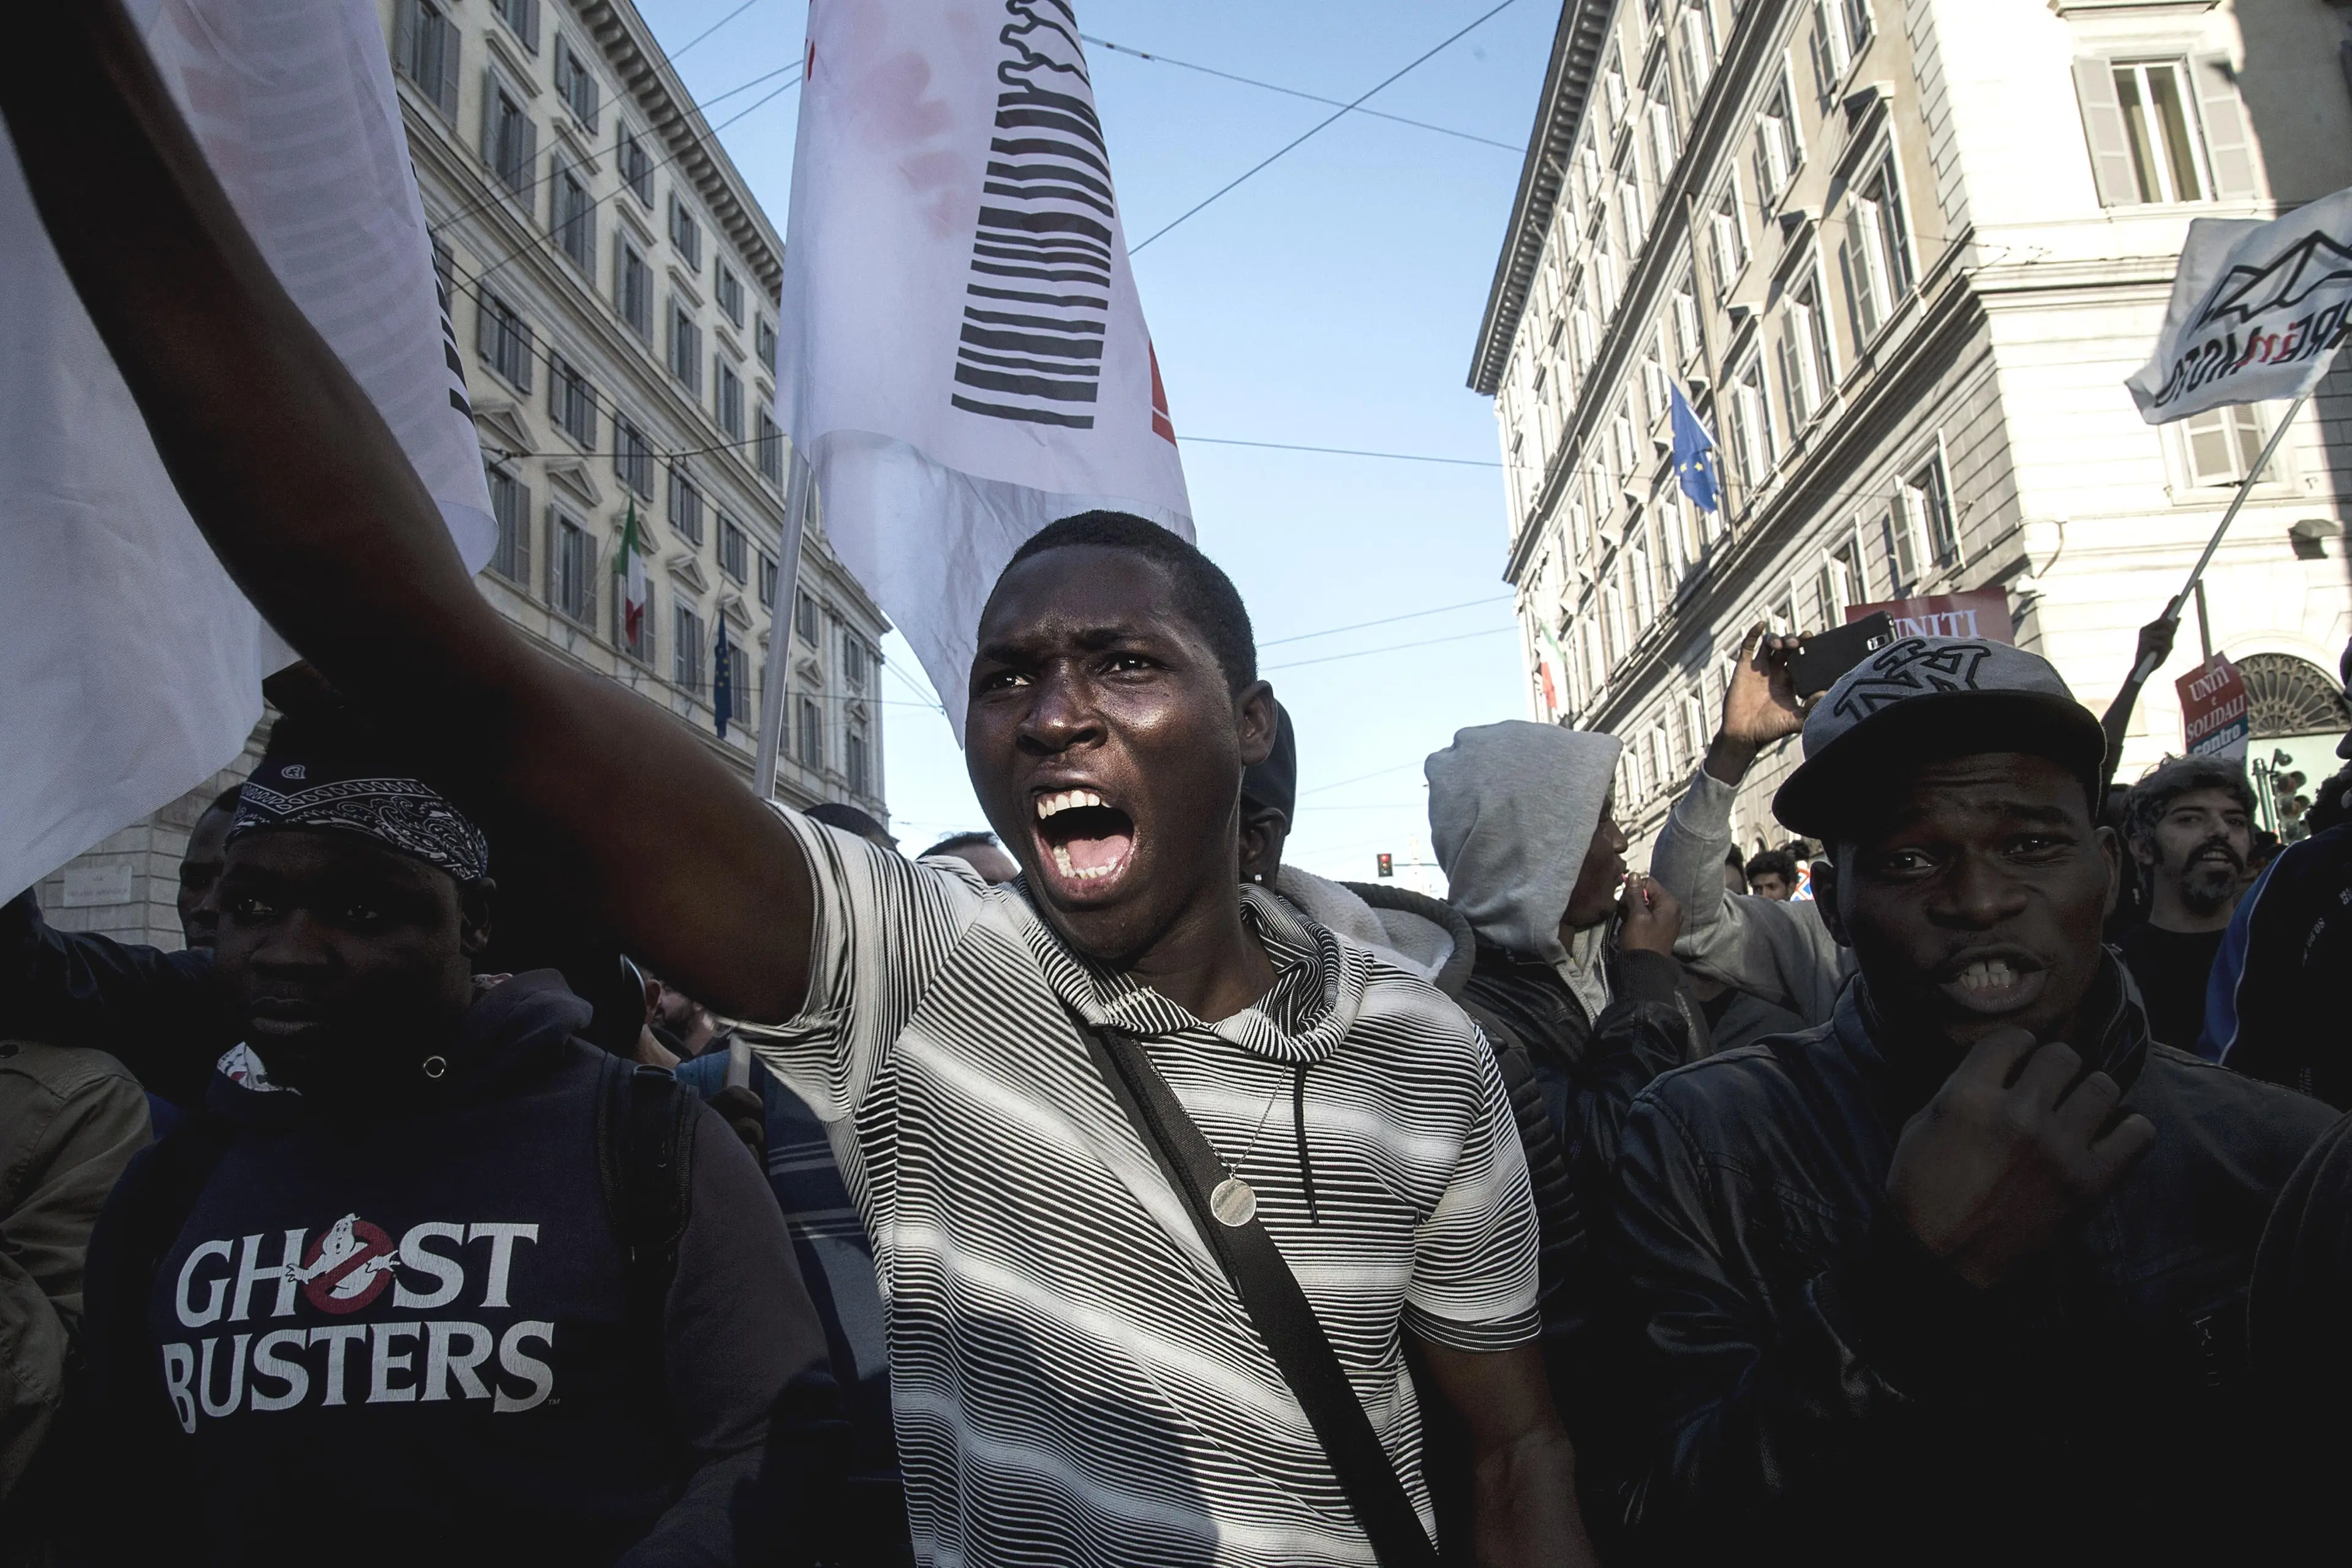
pixel 1960 1275
pixel 428 1272
pixel 2188 824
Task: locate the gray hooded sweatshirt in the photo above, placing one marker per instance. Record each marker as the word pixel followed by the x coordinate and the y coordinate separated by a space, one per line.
pixel 1512 811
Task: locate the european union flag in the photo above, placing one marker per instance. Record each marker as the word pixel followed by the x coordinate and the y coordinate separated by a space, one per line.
pixel 722 680
pixel 1695 456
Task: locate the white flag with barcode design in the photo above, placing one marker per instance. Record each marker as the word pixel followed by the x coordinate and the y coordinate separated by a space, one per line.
pixel 962 356
pixel 134 663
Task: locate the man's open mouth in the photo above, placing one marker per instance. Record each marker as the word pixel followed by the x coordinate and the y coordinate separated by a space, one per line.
pixel 1084 837
pixel 1993 983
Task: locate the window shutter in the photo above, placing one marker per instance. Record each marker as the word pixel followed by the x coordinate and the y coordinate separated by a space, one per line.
pixel 491 117
pixel 2228 147
pixel 445 92
pixel 527 12
pixel 527 135
pixel 403 40
pixel 2103 128
pixel 552 592
pixel 522 532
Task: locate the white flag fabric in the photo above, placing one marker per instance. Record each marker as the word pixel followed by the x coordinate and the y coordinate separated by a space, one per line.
pixel 963 357
pixel 134 665
pixel 2256 307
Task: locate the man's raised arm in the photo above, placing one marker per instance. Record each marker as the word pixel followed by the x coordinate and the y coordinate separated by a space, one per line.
pixel 312 505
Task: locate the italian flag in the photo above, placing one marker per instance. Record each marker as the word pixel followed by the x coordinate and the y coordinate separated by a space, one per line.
pixel 631 569
pixel 1543 668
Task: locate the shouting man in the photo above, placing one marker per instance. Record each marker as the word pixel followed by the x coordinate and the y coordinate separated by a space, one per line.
pixel 1960 1275
pixel 2190 825
pixel 1030 1087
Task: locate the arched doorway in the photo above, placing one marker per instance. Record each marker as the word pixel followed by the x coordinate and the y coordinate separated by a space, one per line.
pixel 2297 712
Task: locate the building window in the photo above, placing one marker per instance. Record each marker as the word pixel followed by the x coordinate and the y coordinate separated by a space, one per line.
pixel 424 47
pixel 571 401
pixel 812 734
pixel 1664 145
pixel 1751 422
pixel 503 340
pixel 1876 255
pixel 572 571
pixel 685 505
pixel 1727 241
pixel 1900 551
pixel 804 618
pixel 1778 153
pixel 521 17
pixel 1842 31
pixel 853 661
pixel 1842 584
pixel 1632 214
pixel 739 684
pixel 2164 130
pixel 1928 498
pixel 1687 343
pixel 1604 268
pixel 729 398
pixel 734 550
pixel 858 783
pixel 641 647
pixel 767 580
pixel 510 509
pixel 2222 444
pixel 766 338
pixel 573 215
pixel 445 282
pixel 685 234
pixel 730 294
pixel 636 168
pixel 1807 369
pixel 576 84
pixel 685 349
pixel 510 139
pixel 1697 54
pixel 688 659
pixel 633 457
pixel 771 447
pixel 633 287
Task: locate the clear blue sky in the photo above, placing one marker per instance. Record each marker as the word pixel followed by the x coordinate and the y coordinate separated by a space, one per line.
pixel 1331 301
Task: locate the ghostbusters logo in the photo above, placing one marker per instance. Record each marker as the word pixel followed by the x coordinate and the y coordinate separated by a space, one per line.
pixel 348 1266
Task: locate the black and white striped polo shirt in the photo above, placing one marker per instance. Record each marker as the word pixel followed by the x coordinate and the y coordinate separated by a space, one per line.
pixel 1075 1380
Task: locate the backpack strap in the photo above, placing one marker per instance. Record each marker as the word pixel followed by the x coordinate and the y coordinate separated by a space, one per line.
pixel 645 1156
pixel 1270 1294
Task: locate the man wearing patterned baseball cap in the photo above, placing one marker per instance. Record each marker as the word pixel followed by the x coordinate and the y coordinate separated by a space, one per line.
pixel 1960 1273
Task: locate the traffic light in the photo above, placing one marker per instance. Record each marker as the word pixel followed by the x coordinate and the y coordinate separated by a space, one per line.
pixel 1388 865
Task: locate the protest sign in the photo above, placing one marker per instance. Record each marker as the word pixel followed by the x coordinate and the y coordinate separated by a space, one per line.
pixel 134 663
pixel 2255 310
pixel 1979 612
pixel 963 357
pixel 2214 720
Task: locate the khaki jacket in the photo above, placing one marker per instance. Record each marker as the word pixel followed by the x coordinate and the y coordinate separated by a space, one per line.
pixel 70 1120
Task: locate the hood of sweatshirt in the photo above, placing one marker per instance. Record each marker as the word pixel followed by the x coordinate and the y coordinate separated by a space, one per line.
pixel 515 1030
pixel 1512 810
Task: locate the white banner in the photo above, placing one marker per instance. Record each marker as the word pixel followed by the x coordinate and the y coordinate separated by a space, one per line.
pixel 134 665
pixel 963 357
pixel 2255 309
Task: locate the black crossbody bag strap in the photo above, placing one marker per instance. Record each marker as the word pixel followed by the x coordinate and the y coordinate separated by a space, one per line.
pixel 1270 1294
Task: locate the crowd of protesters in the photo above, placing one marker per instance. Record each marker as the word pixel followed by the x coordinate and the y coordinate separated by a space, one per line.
pixel 1910 1193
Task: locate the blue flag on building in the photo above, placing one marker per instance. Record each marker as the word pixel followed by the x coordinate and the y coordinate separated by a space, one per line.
pixel 722 680
pixel 1695 456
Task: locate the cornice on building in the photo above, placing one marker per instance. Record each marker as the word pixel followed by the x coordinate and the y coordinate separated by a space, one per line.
pixel 672 115
pixel 1576 49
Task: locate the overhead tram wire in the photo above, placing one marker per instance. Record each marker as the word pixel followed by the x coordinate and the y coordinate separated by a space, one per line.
pixel 1389 648
pixel 1321 126
pixel 1511 147
pixel 1384 620
pixel 1338 451
pixel 712 28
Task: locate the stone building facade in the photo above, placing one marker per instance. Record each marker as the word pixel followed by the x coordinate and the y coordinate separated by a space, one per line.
pixel 613 284
pixel 1900 256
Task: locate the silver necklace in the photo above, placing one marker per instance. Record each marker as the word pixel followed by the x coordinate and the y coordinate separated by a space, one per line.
pixel 1232 1200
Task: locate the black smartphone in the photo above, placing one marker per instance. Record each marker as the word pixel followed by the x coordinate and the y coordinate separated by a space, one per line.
pixel 1825 656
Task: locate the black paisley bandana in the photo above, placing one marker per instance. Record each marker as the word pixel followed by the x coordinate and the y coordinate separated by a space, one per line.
pixel 403 813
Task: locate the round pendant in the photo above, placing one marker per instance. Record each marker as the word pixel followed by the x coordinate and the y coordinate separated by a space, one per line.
pixel 1234 1202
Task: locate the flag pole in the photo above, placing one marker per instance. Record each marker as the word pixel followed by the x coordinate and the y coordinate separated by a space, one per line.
pixel 2245 488
pixel 781 618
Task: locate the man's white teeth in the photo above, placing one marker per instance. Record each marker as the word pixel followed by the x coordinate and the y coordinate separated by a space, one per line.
pixel 1068 800
pixel 1988 974
pixel 1081 873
